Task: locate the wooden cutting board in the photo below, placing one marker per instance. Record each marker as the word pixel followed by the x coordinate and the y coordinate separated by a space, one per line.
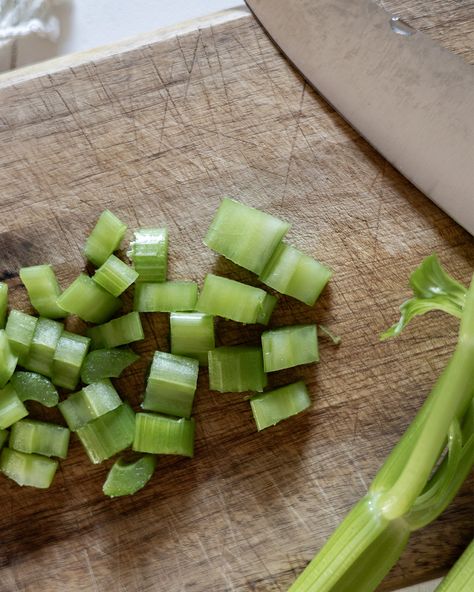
pixel 159 133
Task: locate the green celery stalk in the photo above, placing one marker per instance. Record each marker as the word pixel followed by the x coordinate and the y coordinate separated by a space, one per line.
pixel 244 234
pixel 237 369
pixel 115 276
pixel 3 303
pixel 165 296
pixel 125 329
pixel 266 310
pixel 106 363
pixel 405 495
pixel 43 290
pixel 287 347
pixel 31 386
pixel 149 254
pixel 270 408
pixel 293 273
pixel 20 330
pixel 11 407
pixel 461 576
pixel 68 359
pixel 108 434
pixel 43 345
pixel 160 434
pixel 192 335
pixel 126 478
pixel 39 437
pixel 8 360
pixel 171 384
pixel 32 470
pixel 233 300
pixel 104 239
pixel 86 299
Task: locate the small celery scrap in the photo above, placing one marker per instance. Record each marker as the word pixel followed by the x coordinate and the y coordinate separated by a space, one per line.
pixel 127 477
pixel 426 468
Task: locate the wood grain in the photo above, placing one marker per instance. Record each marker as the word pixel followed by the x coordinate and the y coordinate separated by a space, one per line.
pixel 158 134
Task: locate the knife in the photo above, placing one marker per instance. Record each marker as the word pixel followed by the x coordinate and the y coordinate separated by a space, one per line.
pixel 411 99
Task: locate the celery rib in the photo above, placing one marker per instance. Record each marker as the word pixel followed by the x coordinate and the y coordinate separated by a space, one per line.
pixel 38 437
pixel 20 329
pixel 115 276
pixel 270 408
pixel 287 347
pixel 160 434
pixel 105 238
pixel 32 470
pixel 121 331
pixel 149 254
pixel 89 301
pixel 237 369
pixel 178 296
pixel 126 478
pixel 43 290
pixel 31 386
pixel 192 335
pixel 106 363
pixel 11 407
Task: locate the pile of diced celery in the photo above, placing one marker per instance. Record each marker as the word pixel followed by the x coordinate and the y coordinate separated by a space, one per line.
pixel 37 353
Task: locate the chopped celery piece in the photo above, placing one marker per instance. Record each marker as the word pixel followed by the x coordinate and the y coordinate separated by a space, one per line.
pixel 30 386
pixel 3 303
pixel 11 407
pixel 106 363
pixel 43 290
pixel 126 478
pixel 166 297
pixel 115 276
pixel 3 437
pixel 293 273
pixel 245 235
pixel 160 434
pixel 149 254
pixel 20 330
pixel 286 347
pixel 108 434
pixel 8 359
pixel 88 300
pixel 92 402
pixel 124 329
pixel 270 408
pixel 171 384
pixel 32 470
pixel 105 238
pixel 237 369
pixel 266 310
pixel 192 335
pixel 39 437
pixel 461 576
pixel 68 359
pixel 232 300
pixel 43 345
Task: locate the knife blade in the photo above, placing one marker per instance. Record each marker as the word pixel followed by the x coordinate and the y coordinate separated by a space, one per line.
pixel 411 99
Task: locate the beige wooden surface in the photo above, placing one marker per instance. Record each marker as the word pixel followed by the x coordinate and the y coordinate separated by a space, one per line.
pixel 159 134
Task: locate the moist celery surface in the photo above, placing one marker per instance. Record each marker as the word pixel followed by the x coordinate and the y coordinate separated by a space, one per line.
pixel 89 301
pixel 43 345
pixel 43 290
pixel 11 407
pixel 39 437
pixel 115 276
pixel 286 347
pixel 237 369
pixel 31 386
pixel 166 296
pixel 192 335
pixel 33 470
pixel 160 434
pixel 149 254
pixel 126 478
pixel 69 358
pixel 125 329
pixel 245 235
pixel 106 363
pixel 8 359
pixel 91 402
pixel 272 407
pixel 171 384
pixel 20 329
pixel 104 239
pixel 3 303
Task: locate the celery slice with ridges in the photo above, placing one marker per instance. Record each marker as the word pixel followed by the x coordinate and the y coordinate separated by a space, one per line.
pixel 293 273
pixel 125 329
pixel 171 384
pixel 32 470
pixel 105 238
pixel 160 434
pixel 43 345
pixel 272 407
pixel 3 303
pixel 287 347
pixel 92 402
pixel 108 434
pixel 126 478
pixel 31 386
pixel 4 434
pixel 43 290
pixel 20 330
pixel 8 360
pixel 106 363
pixel 166 296
pixel 461 576
pixel 192 335
pixel 245 235
pixel 39 437
pixel 11 407
pixel 68 359
pixel 233 300
pixel 266 309
pixel 115 276
pixel 236 369
pixel 149 254
pixel 88 300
